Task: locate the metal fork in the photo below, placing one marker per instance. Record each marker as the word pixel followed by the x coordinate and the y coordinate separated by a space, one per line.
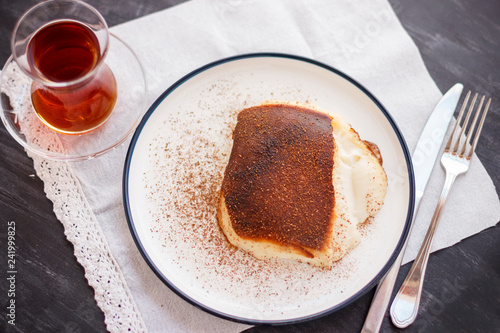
pixel 455 160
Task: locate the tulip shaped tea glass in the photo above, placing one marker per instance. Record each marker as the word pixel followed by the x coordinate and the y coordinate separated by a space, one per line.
pixel 71 90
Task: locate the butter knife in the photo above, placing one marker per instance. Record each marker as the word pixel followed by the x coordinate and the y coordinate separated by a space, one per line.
pixel 424 157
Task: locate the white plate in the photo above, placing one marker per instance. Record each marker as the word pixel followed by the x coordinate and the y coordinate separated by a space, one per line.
pixel 173 172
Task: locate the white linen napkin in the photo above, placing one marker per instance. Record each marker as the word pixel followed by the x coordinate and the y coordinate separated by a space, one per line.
pixel 364 39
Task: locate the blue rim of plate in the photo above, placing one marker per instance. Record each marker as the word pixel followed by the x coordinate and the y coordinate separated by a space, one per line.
pixel 180 293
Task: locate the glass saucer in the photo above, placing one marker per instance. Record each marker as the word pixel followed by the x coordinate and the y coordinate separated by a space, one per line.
pixel 24 125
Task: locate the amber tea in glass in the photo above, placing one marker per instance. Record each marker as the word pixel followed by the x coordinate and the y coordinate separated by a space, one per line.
pixel 73 90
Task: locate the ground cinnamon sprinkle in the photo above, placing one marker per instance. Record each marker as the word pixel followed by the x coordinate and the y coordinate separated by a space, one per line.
pixel 186 162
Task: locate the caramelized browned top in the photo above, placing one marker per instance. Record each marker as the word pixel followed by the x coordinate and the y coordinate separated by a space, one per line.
pixel 375 150
pixel 278 182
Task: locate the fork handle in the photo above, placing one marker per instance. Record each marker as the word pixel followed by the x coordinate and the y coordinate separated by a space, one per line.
pixel 404 308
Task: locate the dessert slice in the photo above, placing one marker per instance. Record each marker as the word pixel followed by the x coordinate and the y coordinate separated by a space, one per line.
pixel 289 189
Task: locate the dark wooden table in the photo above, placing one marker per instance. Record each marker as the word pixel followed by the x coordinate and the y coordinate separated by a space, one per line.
pixel 459 42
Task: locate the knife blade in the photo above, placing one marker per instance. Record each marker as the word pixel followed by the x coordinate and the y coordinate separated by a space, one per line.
pixel 423 159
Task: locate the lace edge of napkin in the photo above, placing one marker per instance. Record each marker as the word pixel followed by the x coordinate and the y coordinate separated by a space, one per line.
pixel 90 246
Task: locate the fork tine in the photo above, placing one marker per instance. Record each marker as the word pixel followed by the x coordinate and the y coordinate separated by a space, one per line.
pixel 480 127
pixel 459 118
pixel 471 127
pixel 464 126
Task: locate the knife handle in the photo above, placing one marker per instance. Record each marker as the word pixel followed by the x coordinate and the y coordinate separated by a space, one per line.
pixel 383 294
